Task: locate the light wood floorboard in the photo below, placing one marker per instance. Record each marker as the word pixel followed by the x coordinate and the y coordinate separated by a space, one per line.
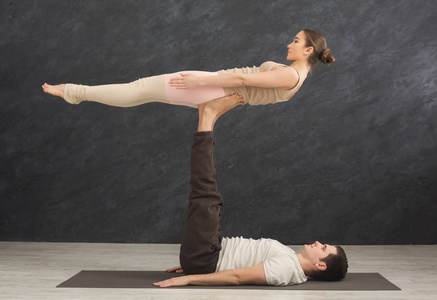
pixel 33 270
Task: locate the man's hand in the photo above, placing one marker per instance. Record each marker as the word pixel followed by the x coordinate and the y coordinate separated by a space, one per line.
pixel 177 270
pixel 175 281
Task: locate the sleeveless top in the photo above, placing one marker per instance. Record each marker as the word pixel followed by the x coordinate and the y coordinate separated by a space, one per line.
pixel 257 95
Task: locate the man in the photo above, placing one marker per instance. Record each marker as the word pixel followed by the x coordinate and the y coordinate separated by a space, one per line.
pixel 209 259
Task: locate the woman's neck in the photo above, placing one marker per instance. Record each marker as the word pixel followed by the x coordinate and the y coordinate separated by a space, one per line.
pixel 302 66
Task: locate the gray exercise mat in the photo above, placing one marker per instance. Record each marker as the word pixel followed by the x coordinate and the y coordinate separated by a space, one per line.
pixel 145 279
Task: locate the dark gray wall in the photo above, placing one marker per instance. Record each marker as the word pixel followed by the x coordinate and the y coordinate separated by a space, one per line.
pixel 352 159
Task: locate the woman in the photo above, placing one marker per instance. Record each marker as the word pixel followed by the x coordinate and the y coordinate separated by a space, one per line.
pixel 269 83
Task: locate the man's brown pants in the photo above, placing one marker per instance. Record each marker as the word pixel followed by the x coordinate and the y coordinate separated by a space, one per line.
pixel 201 243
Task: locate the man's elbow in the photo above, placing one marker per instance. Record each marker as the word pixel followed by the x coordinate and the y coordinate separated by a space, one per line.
pixel 243 279
pixel 237 280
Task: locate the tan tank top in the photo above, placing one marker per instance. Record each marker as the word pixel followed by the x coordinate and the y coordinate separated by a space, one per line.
pixel 257 95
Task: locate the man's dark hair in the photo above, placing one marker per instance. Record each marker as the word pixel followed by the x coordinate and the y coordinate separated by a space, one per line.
pixel 336 267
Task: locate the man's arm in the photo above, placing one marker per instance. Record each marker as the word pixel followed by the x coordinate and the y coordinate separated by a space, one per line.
pixel 251 275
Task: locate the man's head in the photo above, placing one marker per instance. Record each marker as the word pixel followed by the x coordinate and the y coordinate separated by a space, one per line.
pixel 323 261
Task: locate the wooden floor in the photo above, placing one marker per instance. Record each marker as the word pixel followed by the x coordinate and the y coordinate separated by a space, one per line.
pixel 33 270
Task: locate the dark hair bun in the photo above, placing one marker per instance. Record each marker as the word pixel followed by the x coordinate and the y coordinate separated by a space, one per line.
pixel 326 57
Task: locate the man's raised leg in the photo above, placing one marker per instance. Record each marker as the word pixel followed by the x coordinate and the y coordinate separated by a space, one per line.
pixel 201 242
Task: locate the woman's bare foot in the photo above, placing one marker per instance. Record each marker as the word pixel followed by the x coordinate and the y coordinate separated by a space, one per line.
pixel 55 90
pixel 210 111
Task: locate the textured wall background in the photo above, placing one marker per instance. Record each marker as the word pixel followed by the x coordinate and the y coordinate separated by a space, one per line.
pixel 352 159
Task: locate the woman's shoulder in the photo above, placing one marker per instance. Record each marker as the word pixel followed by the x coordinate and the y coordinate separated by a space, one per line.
pixel 270 65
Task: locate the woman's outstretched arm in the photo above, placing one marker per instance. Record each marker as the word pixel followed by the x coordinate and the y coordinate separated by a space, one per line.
pixel 284 78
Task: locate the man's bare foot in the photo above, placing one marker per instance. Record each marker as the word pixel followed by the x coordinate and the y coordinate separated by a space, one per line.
pixel 210 111
pixel 55 90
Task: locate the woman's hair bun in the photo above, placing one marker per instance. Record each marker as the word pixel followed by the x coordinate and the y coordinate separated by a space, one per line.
pixel 326 57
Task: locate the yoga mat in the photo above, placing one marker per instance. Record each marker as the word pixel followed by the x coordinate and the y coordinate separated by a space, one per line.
pixel 145 279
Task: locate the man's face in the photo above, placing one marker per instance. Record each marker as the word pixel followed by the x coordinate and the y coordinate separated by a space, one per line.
pixel 316 251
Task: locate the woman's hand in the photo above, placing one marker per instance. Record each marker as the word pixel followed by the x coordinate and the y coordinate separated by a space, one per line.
pixel 175 281
pixel 186 81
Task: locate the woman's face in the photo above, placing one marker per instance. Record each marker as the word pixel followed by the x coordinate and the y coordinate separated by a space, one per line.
pixel 297 48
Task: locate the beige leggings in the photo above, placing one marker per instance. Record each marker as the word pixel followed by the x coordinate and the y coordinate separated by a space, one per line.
pixel 144 90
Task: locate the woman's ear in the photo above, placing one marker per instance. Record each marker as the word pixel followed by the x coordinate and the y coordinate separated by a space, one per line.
pixel 309 50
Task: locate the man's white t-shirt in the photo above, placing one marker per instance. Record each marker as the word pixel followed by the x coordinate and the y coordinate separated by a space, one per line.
pixel 281 265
